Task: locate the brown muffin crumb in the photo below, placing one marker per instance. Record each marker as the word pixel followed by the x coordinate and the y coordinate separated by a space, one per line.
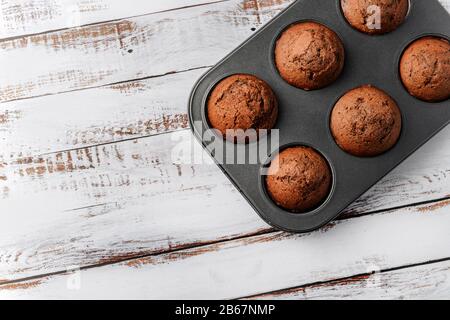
pixel 358 14
pixel 366 122
pixel 299 179
pixel 425 69
pixel 309 55
pixel 242 102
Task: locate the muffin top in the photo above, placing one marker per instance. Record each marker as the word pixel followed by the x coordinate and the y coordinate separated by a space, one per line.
pixel 299 179
pixel 425 69
pixel 366 122
pixel 242 102
pixel 309 55
pixel 363 14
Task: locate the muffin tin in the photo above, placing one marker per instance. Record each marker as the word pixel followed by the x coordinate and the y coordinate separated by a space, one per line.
pixel 304 115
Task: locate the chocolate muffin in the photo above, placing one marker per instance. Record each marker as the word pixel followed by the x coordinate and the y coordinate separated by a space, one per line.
pixel 309 55
pixel 299 179
pixel 425 69
pixel 366 122
pixel 242 102
pixel 359 12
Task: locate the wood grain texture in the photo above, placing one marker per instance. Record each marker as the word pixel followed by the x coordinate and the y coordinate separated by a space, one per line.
pixel 424 282
pixel 22 17
pixel 95 116
pixel 106 203
pixel 262 263
pixel 118 51
pixel 115 195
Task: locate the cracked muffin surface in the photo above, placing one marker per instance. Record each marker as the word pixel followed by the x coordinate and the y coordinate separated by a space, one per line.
pixel 366 122
pixel 242 102
pixel 425 69
pixel 309 55
pixel 299 179
pixel 360 14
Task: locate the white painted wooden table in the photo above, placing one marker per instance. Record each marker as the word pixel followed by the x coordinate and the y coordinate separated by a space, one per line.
pixel 93 97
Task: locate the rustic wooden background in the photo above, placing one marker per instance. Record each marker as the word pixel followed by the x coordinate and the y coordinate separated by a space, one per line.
pixel 92 97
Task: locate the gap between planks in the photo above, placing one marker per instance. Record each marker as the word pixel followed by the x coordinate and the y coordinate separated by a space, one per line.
pixel 414 219
pixel 137 109
pixel 297 290
pixel 425 206
pixel 93 23
pixel 124 82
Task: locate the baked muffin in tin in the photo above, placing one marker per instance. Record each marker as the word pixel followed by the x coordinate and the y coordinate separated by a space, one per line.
pixel 366 122
pixel 242 102
pixel 299 179
pixel 309 55
pixel 425 69
pixel 375 16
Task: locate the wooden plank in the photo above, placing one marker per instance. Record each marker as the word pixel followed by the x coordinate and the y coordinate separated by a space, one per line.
pixel 424 282
pixel 263 263
pixel 99 115
pixel 109 202
pixel 128 49
pixel 22 17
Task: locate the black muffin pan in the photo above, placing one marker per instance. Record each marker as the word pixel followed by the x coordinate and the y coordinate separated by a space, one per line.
pixel 304 115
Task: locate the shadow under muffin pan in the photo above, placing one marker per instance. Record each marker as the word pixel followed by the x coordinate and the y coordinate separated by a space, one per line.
pixel 304 115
